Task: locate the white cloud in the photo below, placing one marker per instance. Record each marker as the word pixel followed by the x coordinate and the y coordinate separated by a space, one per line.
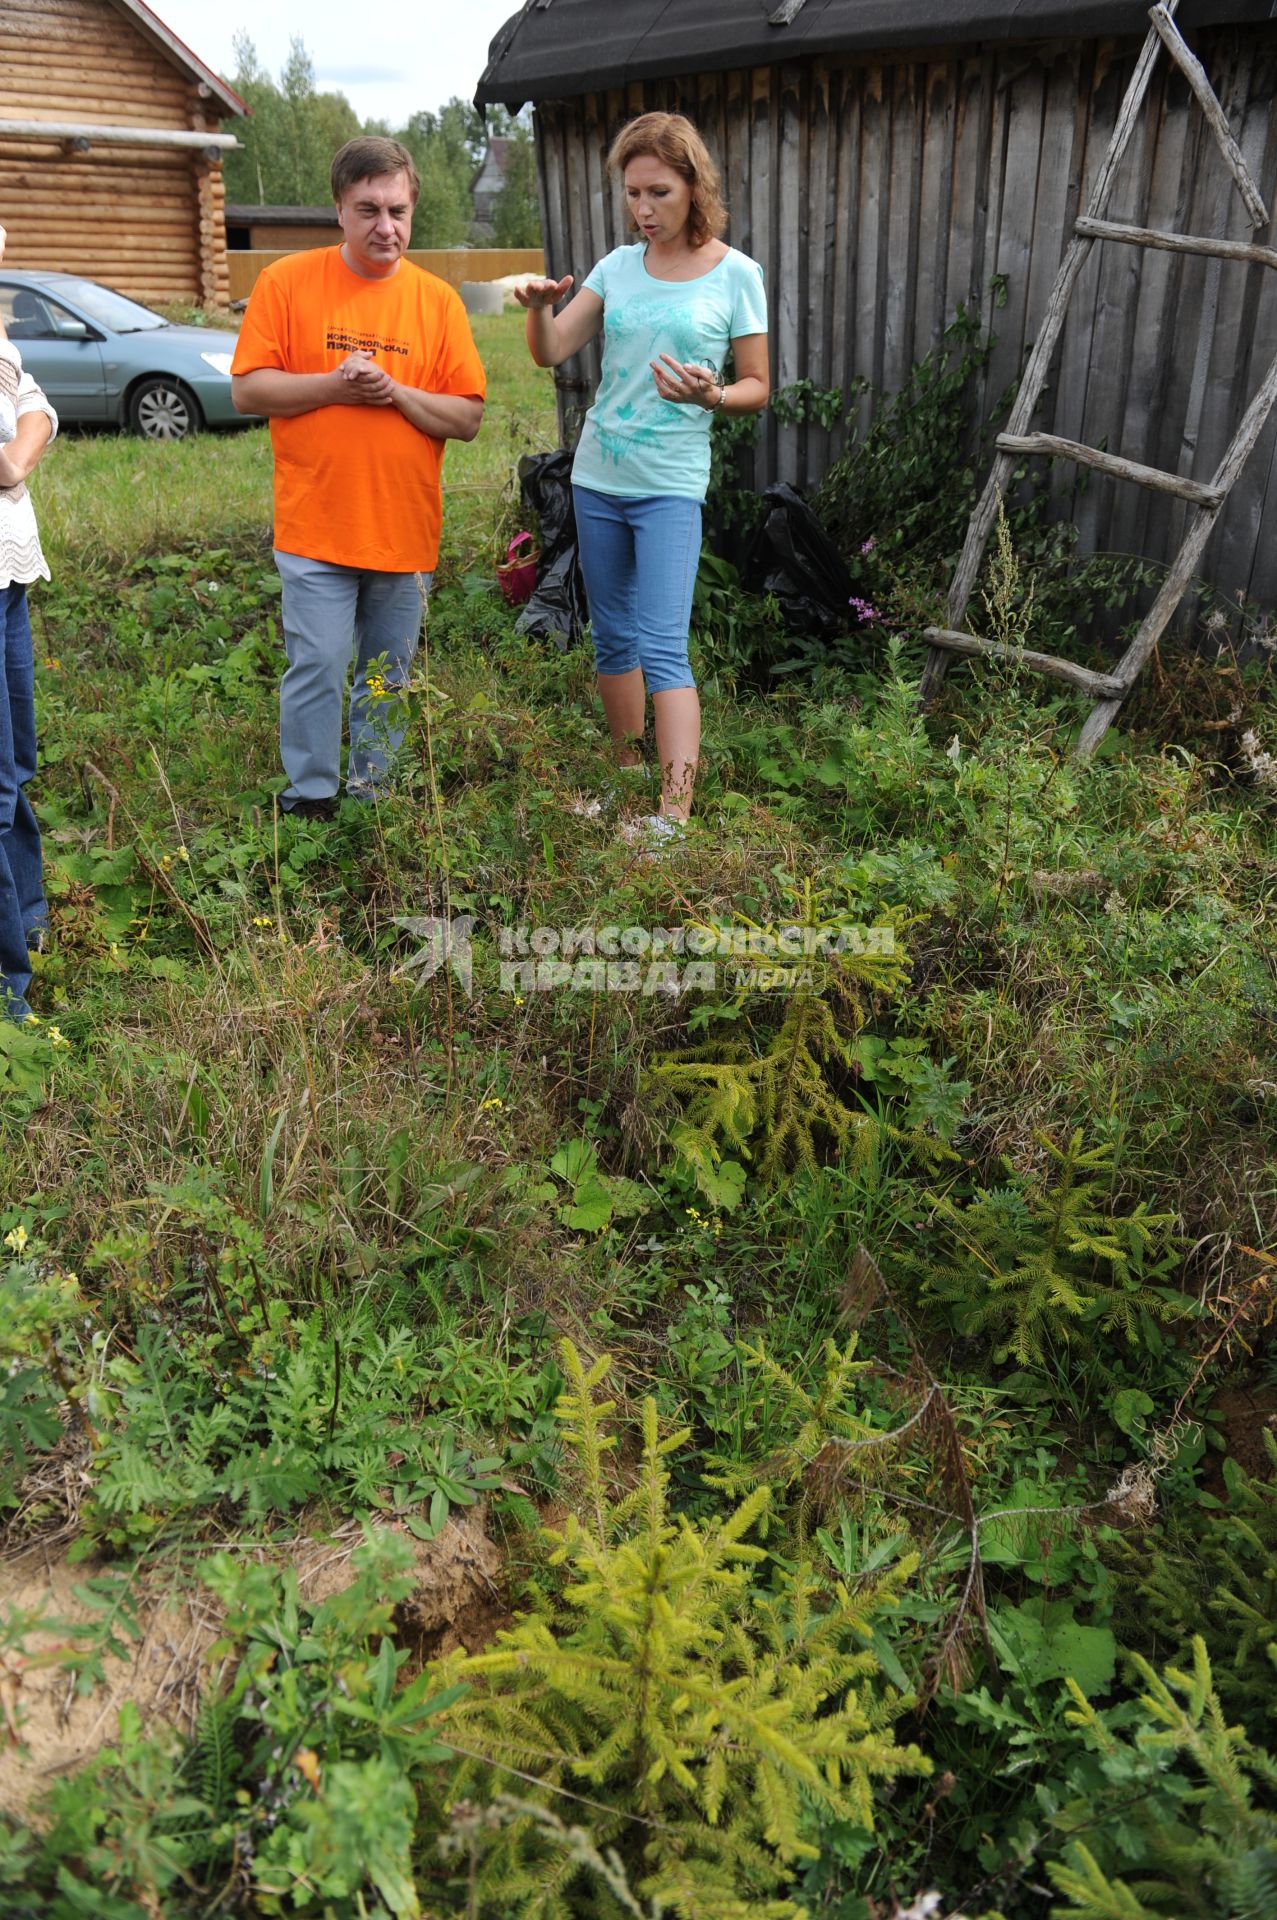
pixel 429 52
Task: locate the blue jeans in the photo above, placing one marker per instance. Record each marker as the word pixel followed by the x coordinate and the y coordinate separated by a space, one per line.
pixel 639 559
pixel 330 613
pixel 23 909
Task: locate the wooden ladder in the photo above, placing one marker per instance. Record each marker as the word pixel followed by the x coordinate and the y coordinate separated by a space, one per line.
pixel 1206 499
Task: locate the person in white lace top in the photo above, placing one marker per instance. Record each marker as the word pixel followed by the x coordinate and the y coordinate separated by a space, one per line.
pixel 27 424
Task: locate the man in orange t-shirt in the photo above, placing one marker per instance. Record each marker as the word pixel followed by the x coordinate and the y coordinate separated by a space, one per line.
pixel 364 366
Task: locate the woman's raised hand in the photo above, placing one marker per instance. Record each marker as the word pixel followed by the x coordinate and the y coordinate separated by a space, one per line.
pixel 542 293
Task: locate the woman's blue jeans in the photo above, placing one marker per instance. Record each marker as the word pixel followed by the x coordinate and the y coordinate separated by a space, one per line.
pixel 639 558
pixel 22 904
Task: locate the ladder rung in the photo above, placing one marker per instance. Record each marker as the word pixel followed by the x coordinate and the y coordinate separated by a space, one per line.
pixel 1112 463
pixel 1100 685
pixel 1175 242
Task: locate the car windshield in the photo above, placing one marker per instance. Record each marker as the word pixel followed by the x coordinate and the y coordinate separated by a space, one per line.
pixel 109 308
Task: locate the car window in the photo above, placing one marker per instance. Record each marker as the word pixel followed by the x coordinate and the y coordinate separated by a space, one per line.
pixel 29 315
pixel 112 309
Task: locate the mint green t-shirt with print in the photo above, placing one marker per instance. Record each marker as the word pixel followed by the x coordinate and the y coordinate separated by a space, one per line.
pixel 633 442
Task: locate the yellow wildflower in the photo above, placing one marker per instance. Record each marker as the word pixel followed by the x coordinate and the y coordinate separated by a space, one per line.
pixel 58 1038
pixel 486 1106
pixel 182 854
pixel 16 1239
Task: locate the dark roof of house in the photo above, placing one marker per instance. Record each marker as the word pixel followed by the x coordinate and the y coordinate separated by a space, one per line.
pixel 553 49
pixel 240 215
pixel 498 152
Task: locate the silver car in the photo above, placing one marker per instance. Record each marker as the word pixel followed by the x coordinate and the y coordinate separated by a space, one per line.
pixel 101 356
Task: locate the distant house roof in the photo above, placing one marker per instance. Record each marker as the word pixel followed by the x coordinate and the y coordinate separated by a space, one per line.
pixel 553 49
pixel 244 216
pixel 493 163
pixel 177 50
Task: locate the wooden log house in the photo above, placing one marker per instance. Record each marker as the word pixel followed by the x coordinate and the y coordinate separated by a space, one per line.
pixel 888 160
pixel 110 149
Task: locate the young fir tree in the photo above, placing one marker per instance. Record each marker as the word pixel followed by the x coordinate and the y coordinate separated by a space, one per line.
pixel 704 1708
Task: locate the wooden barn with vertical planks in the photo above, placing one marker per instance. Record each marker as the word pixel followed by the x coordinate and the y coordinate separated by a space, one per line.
pixel 889 160
pixel 110 149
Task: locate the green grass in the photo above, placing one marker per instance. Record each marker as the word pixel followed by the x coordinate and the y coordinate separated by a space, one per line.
pixel 306 1220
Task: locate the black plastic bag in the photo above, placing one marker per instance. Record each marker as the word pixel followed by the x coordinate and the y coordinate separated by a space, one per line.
pixel 792 557
pixel 558 609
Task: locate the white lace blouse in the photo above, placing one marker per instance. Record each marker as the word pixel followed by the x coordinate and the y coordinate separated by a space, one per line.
pixel 20 556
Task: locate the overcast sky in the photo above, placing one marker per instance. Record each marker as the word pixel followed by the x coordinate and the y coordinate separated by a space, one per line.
pixel 387 62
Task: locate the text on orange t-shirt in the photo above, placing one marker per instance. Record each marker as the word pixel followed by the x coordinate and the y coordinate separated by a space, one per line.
pixel 358 486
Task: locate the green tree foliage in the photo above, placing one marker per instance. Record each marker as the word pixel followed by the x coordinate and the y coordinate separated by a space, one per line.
pixel 447 146
pixel 288 141
pixel 1222 1583
pixel 1190 1806
pixel 287 145
pixel 1046 1261
pixel 780 1104
pixel 706 1711
pixel 516 217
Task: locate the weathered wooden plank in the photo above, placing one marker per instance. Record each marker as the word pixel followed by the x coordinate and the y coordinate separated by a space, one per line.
pixel 1169 285
pixel 970 173
pixel 763 215
pixel 1244 559
pixel 789 289
pixel 736 161
pixel 1112 338
pixel 1230 376
pixel 1071 370
pixel 1023 92
pixel 937 104
pixel 844 364
pixel 871 235
pixel 1194 72
pixel 1050 664
pixel 1199 407
pixel 817 254
pixel 901 227
pixel 1053 447
pixel 1177 242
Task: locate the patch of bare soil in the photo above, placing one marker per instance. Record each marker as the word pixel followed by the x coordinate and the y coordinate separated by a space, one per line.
pixel 47 1729
pixel 1246 1411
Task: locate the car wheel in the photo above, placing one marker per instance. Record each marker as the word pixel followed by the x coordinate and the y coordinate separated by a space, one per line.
pixel 161 408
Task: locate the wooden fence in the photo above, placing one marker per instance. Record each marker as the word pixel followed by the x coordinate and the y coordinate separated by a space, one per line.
pixel 880 192
pixel 453 264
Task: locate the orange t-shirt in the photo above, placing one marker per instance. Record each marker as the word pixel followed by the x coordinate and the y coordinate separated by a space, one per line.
pixel 358 486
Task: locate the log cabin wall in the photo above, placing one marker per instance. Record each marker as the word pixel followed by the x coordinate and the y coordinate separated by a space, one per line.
pixel 881 193
pixel 148 220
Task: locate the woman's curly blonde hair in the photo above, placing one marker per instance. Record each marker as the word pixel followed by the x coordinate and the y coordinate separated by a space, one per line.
pixel 673 140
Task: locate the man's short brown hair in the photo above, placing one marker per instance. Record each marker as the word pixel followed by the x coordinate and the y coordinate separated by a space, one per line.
pixel 368 156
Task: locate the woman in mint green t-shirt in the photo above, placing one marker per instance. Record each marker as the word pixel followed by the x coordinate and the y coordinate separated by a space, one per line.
pixel 669 307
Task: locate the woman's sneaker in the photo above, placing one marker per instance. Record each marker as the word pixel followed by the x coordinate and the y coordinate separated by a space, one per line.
pixel 623 786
